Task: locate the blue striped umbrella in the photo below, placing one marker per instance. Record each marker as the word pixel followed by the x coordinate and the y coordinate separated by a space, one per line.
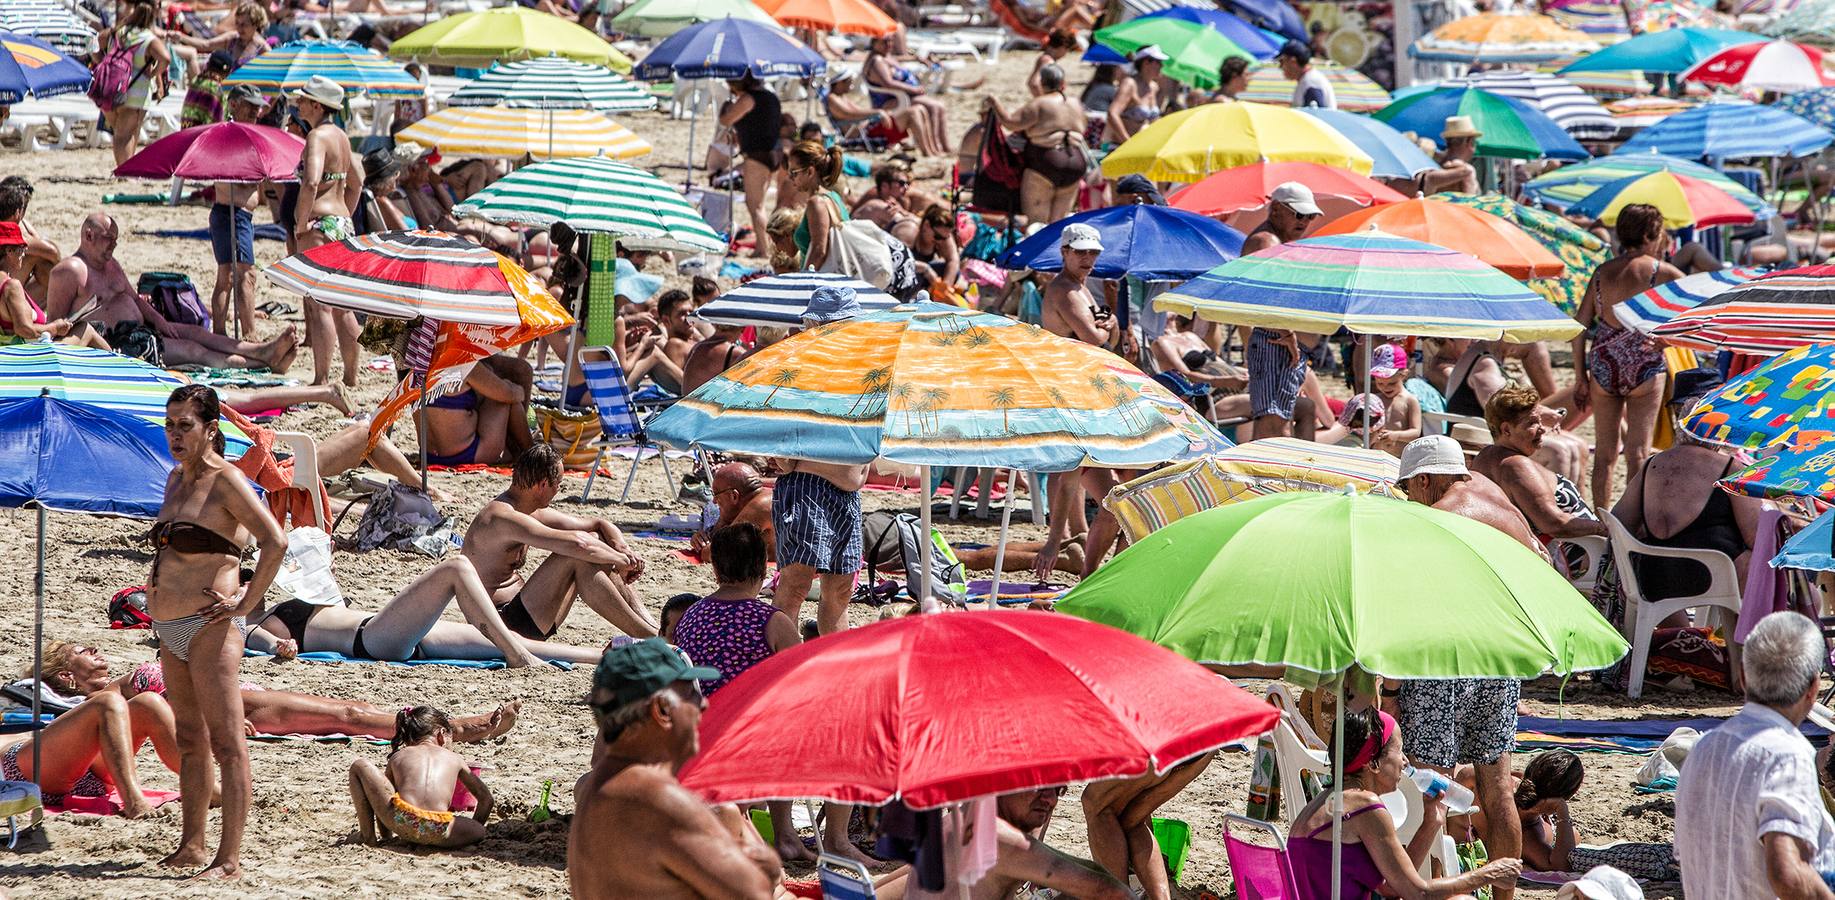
pixel 354 67
pixel 31 67
pixel 729 49
pixel 97 378
pixel 1661 303
pixel 779 300
pixel 1730 130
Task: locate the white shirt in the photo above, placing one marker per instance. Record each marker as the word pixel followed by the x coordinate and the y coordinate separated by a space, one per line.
pixel 1752 776
pixel 1314 82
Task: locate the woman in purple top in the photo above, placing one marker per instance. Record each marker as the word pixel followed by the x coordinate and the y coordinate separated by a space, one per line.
pixel 1375 862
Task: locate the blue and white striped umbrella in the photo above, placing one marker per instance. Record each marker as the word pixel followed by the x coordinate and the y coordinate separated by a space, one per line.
pixel 1661 303
pixel 356 68
pixel 30 67
pixel 554 82
pixel 49 21
pixel 1730 130
pixel 779 300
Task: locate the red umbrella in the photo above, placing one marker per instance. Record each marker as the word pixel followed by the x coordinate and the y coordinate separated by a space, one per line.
pixel 226 151
pixel 943 708
pixel 1248 187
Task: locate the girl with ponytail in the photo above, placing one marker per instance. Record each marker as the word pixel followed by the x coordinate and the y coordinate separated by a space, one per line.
pixel 814 171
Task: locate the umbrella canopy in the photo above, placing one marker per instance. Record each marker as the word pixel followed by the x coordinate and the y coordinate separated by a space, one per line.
pixel 730 49
pixel 98 378
pixel 1568 185
pixel 1354 90
pixel 1816 105
pixel 1643 112
pixel 1501 38
pixel 1793 469
pixel 1555 97
pixel 49 21
pixel 506 33
pixel 1196 50
pixel 1277 16
pixel 929 384
pixel 1244 472
pixel 1684 201
pixel 1787 400
pixel 226 151
pixel 1258 43
pixel 1152 243
pixel 1202 587
pixel 930 723
pixel 504 133
pixel 1663 15
pixel 551 82
pixel 595 194
pixel 841 16
pixel 406 274
pixel 356 68
pixel 1391 153
pixel 1730 130
pixel 1653 307
pixel 1809 20
pixel 662 18
pixel 1370 283
pixel 1248 187
pixel 1809 548
pixel 1768 66
pixel 1767 315
pixel 75 457
pixel 30 67
pixel 1602 20
pixel 780 300
pixel 1512 129
pixel 1580 251
pixel 1430 220
pixel 1191 144
pixel 1668 51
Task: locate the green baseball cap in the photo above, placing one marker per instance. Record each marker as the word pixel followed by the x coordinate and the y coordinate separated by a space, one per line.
pixel 635 671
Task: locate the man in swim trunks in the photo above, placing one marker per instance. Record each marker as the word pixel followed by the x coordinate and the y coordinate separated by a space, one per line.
pixel 124 315
pixel 742 497
pixel 1275 358
pixel 815 520
pixel 588 559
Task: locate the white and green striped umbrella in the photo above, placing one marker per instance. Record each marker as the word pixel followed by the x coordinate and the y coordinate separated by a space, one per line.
pixel 596 194
pixel 553 82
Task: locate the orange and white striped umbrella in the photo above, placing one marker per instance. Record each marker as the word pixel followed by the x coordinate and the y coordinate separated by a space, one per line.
pixel 500 132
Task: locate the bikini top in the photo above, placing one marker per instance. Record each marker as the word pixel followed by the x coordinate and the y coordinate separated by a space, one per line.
pixel 190 537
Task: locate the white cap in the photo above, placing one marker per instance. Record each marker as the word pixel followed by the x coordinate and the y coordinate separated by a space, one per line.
pixel 1602 883
pixel 1435 454
pixel 1296 196
pixel 1078 236
pixel 1151 51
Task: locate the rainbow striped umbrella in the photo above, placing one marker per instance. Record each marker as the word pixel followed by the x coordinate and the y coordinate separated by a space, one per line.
pixel 1643 112
pixel 1770 314
pixel 354 67
pixel 1501 38
pixel 596 194
pixel 1370 283
pixel 97 378
pixel 1353 89
pixel 1568 185
pixel 408 274
pixel 1653 307
pixel 500 132
pixel 553 82
pixel 1790 399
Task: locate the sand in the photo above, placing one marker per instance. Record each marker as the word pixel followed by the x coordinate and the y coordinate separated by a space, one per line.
pixel 300 840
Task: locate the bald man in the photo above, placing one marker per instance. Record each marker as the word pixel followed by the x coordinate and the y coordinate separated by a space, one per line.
pixel 742 497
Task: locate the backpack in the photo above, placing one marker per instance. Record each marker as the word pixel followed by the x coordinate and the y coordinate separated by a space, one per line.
pixel 891 540
pixel 175 297
pixel 401 518
pixel 113 75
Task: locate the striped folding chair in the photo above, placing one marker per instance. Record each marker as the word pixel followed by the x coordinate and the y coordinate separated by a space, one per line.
pixel 619 422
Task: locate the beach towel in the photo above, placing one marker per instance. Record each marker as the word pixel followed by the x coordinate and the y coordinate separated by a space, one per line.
pixel 1021 591
pixel 109 805
pixel 318 739
pixel 275 476
pixel 1767 589
pixel 327 656
pixel 601 307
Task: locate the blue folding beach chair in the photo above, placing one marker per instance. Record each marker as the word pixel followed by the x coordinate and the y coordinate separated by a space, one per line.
pixel 843 879
pixel 619 421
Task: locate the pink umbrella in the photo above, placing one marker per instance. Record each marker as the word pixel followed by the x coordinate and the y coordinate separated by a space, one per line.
pixel 226 151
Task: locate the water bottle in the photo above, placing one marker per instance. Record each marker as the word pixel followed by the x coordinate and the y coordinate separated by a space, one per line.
pixel 1457 798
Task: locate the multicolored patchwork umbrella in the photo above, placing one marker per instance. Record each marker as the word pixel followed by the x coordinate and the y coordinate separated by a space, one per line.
pixel 1767 66
pixel 97 378
pixel 1431 220
pixel 1570 184
pixel 552 82
pixel 1370 283
pixel 1354 90
pixel 1653 307
pixel 1191 144
pixel 491 36
pixel 356 68
pixel 499 132
pixel 1512 129
pixel 1817 105
pixel 1788 400
pixel 1684 201
pixel 1730 130
pixel 1798 468
pixel 1770 314
pixel 409 274
pixel 1579 250
pixel 598 195
pixel 1501 38
pixel 1678 15
pixel 49 21
pixel 1809 20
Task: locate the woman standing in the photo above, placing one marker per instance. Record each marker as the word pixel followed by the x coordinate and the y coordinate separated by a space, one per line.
pixel 329 189
pixel 1137 101
pixel 815 170
pixel 208 516
pixel 1055 158
pixel 754 114
pixel 150 81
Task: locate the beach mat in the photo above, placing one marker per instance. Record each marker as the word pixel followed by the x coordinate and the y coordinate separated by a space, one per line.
pixel 109 805
pixel 326 656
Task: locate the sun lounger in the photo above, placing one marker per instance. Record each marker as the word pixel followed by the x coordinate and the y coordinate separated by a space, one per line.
pixel 54 124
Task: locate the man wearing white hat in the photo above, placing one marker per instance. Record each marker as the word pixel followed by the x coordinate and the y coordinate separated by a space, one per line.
pixel 1277 358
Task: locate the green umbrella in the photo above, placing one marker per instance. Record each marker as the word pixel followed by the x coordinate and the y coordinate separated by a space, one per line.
pixel 1394 588
pixel 1579 249
pixel 1196 50
pixel 662 18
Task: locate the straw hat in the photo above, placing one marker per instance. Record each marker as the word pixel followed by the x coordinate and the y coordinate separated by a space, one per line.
pixel 321 90
pixel 1460 127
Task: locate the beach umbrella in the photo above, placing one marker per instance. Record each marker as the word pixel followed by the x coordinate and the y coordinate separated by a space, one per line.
pixel 1196 51
pixel 1668 51
pixel 729 49
pixel 1276 16
pixel 1767 315
pixel 1671 15
pixel 1151 243
pixel 1191 144
pixel 73 457
pixel 355 68
pixel 779 301
pixel 1244 472
pixel 1430 220
pixel 1767 66
pixel 599 195
pixel 1259 44
pixel 1248 187
pixel 29 67
pixel 1579 250
pixel 506 33
pixel 1369 283
pixel 1643 112
pixel 1392 154
pixel 1602 20
pixel 1787 470
pixel 1809 20
pixel 839 16
pixel 1653 307
pixel 1730 130
pixel 410 274
pixel 1492 38
pixel 99 378
pixel 1568 185
pixel 1809 549
pixel 1684 201
pixel 929 723
pixel 225 151
pixel 553 82
pixel 1790 399
pixel 1354 90
pixel 1555 97
pixel 1602 85
pixel 502 132
pixel 1512 128
pixel 662 18
pixel 49 21
pixel 1816 105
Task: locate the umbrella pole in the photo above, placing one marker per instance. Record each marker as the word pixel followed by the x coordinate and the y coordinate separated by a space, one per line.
pixel 1000 549
pixel 38 649
pixel 1369 351
pixel 694 112
pixel 925 602
pixel 421 416
pixel 1338 789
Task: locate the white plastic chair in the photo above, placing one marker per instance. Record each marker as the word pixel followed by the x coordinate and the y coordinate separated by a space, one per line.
pixel 1721 599
pixel 1594 547
pixel 1283 699
pixel 1439 422
pixel 305 452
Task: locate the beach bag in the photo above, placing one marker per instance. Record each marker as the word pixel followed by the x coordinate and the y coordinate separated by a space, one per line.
pixel 175 297
pixel 572 434
pixel 113 75
pixel 892 541
pixel 128 608
pixel 859 249
pixel 997 173
pixel 305 572
pixel 400 518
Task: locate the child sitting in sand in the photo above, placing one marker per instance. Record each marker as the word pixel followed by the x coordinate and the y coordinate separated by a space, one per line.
pixel 412 797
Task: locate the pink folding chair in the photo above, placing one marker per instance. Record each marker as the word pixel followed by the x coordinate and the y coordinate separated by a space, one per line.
pixel 1261 873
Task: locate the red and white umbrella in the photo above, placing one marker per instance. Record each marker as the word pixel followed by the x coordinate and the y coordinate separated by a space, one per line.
pixel 1765 65
pixel 405 274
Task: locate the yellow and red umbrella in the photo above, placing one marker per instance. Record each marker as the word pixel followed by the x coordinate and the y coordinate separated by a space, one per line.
pixel 1683 200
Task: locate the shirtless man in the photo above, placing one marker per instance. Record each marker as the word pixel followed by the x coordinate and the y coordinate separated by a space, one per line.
pixel 40 253
pixel 672 309
pixel 1456 172
pixel 93 273
pixel 742 497
pixel 636 832
pixel 1070 310
pixel 1552 504
pixel 1277 368
pixel 711 356
pixel 588 558
pixel 888 204
pixel 1434 473
pixel 1023 858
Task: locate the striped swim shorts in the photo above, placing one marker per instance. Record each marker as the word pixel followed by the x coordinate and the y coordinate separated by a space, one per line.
pixel 816 523
pixel 1275 376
